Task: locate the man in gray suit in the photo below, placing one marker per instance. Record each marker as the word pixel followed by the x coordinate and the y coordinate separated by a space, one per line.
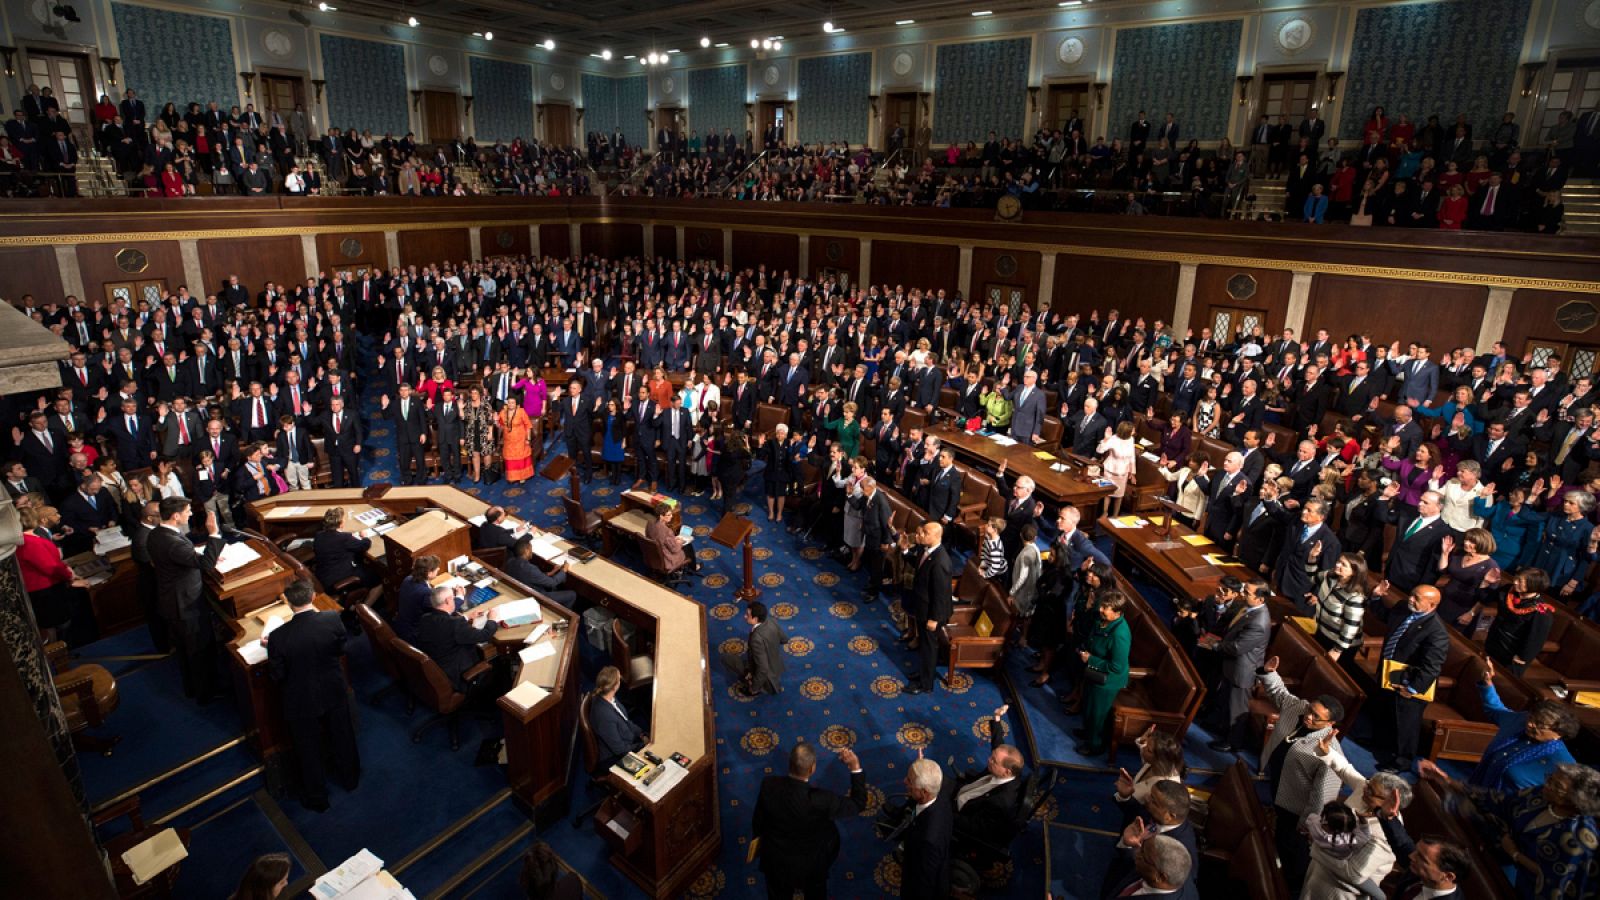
pixel 1028 418
pixel 1243 647
pixel 760 667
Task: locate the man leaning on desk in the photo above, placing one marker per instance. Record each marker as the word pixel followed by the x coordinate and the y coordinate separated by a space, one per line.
pixel 453 641
pixel 521 567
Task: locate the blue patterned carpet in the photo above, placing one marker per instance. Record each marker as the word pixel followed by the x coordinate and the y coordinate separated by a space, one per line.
pixel 844 688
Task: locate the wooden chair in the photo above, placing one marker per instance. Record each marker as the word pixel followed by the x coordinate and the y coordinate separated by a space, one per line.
pixel 322 475
pixel 970 649
pixel 88 696
pixel 137 833
pixel 585 525
pixel 1254 867
pixel 638 669
pixel 656 561
pixel 590 750
pixel 427 685
pixel 383 640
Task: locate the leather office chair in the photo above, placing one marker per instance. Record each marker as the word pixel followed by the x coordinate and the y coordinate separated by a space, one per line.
pixel 585 525
pixel 968 648
pixel 494 556
pixel 638 669
pixel 427 684
pixel 770 416
pixel 1050 433
pixel 322 475
pixel 589 748
pixel 88 695
pixel 657 563
pixel 383 641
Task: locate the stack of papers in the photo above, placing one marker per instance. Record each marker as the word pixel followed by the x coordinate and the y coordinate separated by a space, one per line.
pixel 1003 440
pixel 234 556
pixel 1127 522
pixel 159 853
pixel 253 653
pixel 110 539
pixel 371 516
pixel 527 694
pixel 347 876
pixel 517 612
pixel 537 651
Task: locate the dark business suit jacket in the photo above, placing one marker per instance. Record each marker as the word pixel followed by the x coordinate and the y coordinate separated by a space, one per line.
pixel 304 656
pixel 178 566
pixel 337 555
pixel 944 494
pixel 930 588
pixel 875 525
pixel 925 867
pixel 616 735
pixel 1422 649
pixel 764 656
pixel 795 824
pixel 1296 569
pixel 492 535
pixel 1413 560
pixel 993 811
pixel 452 642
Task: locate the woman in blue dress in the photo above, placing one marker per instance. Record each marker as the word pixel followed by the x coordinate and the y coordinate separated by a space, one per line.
pixel 611 447
pixel 1549 833
pixel 1528 748
pixel 1514 524
pixel 1459 402
pixel 1566 549
pixel 872 356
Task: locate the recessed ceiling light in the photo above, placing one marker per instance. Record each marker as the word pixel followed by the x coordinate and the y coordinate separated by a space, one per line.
pixel 755 44
pixel 488 35
pixel 326 8
pixel 905 21
pixel 1070 3
pixel 412 21
pixel 983 12
pixel 827 28
pixel 629 56
pixel 477 34
pixel 722 43
pixel 674 51
pixel 705 42
pixel 605 54
pixel 549 44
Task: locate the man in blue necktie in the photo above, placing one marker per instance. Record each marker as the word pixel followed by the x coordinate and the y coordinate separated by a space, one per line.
pixel 1413 654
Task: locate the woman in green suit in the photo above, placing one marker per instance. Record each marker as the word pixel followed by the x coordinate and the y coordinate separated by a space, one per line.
pixel 1105 661
pixel 848 430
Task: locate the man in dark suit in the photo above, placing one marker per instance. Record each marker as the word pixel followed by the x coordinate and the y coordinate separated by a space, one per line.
pixel 794 823
pixel 876 535
pixel 643 414
pixel 1414 556
pixel 1493 207
pixel 410 433
pixel 1165 813
pixel 1436 865
pixel 1242 648
pixel 987 800
pixel 453 642
pixel 944 490
pixel 19 482
pixel 305 655
pixel 1028 418
pixel 180 592
pixel 1226 494
pixel 925 866
pixel 759 669
pixel 44 451
pixel 1417 641
pixel 577 427
pixel 1161 866
pixel 87 510
pixel 145 582
pixel 1309 548
pixel 930 602
pixel 61 159
pixel 492 534
pixel 1259 536
pixel 136 445
pixel 674 430
pixel 447 425
pixel 614 732
pixel 342 433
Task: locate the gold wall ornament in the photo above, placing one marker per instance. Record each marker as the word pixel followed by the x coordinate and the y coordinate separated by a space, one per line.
pixel 132 260
pixel 1242 286
pixel 350 248
pixel 1577 316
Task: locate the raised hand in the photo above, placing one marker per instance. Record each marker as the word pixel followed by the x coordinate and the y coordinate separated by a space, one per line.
pixel 1135 833
pixel 383 401
pixel 1488 671
pixel 1124 783
pixel 1328 742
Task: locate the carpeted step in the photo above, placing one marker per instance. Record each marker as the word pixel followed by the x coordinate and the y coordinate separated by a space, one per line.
pixel 502 830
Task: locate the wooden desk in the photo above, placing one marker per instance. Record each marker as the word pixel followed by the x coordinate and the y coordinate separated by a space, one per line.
pixel 1069 487
pixel 115 600
pixel 1181 570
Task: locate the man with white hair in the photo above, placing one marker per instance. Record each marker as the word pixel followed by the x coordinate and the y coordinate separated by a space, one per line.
pixel 1021 508
pixel 1161 867
pixel 1227 492
pixel 1028 417
pixel 925 866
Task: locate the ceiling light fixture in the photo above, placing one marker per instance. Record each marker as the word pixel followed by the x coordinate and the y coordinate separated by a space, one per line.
pixel 488 35
pixel 326 8
pixel 905 21
pixel 827 28
pixel 548 44
pixel 605 55
pixel 412 21
pixel 722 44
pixel 1070 3
pixel 705 42
pixel 983 12
pixel 755 44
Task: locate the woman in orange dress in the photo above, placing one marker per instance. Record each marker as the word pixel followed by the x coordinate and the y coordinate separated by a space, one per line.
pixel 661 387
pixel 515 428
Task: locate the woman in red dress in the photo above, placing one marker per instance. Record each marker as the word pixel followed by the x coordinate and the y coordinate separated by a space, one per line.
pixel 1453 209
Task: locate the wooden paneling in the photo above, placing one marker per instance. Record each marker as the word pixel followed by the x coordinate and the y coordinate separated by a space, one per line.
pixel 666 241
pixel 780 252
pixel 98 265
pixel 999 265
pixel 30 270
pixel 1444 315
pixel 503 240
pixel 255 260
pixel 1533 315
pixel 930 266
pixel 703 243
pixel 1134 288
pixel 613 240
pixel 555 240
pixel 1271 294
pixel 337 253
pixel 440 245
pixel 842 253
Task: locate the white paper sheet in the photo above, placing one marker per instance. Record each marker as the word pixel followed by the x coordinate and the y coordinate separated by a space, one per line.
pixel 253 653
pixel 234 556
pixel 538 651
pixel 344 878
pixel 517 608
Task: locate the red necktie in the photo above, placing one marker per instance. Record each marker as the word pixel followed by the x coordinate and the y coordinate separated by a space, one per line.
pixel 337 418
pixel 295 392
pixel 261 413
pixel 183 430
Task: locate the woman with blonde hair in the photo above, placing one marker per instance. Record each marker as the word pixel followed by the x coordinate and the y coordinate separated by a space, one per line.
pixel 614 732
pixel 1121 459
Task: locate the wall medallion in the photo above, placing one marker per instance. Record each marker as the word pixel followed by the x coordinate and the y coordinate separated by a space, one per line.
pixel 1070 51
pixel 350 248
pixel 1577 316
pixel 505 239
pixel 1242 286
pixel 1294 35
pixel 771 75
pixel 834 251
pixel 1589 18
pixel 667 85
pixel 902 63
pixel 276 43
pixel 702 241
pixel 438 65
pixel 1005 265
pixel 132 260
pixel 558 82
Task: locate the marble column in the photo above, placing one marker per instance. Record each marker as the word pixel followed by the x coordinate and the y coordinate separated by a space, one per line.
pixel 308 254
pixel 391 243
pixel 1047 281
pixel 575 236
pixel 649 232
pixel 866 263
pixel 805 257
pixel 964 271
pixel 533 241
pixel 71 275
pixel 192 273
pixel 727 247
pixel 475 243
pixel 1184 305
pixel 1299 303
pixel 1495 315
